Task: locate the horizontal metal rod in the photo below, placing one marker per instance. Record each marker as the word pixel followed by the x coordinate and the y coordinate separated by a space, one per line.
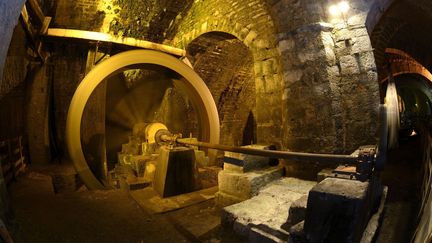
pixel 292 156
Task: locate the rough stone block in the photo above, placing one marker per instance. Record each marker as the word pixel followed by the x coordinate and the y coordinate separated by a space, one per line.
pixel 246 185
pixel 324 173
pixel 296 233
pixel 201 158
pixel 336 211
pixel 260 219
pixel 259 235
pixel 209 176
pixel 297 211
pixel 239 162
pixel 223 199
pixel 349 65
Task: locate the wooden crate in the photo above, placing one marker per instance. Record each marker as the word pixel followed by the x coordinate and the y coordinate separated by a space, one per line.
pixel 12 159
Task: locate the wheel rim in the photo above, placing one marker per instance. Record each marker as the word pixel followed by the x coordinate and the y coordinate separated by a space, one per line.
pixel 194 86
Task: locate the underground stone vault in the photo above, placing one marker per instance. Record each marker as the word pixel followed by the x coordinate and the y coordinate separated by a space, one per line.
pixel 215 121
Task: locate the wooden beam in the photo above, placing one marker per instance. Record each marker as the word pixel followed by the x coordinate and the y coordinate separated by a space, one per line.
pixel 45 25
pixel 27 25
pixel 34 34
pixel 36 10
pixel 103 37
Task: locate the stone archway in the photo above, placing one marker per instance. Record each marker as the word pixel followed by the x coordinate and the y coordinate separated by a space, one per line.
pixel 226 66
pixel 253 25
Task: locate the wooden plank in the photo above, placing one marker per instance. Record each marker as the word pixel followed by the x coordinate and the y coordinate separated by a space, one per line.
pixel 33 34
pixel 45 25
pixel 103 37
pixel 27 24
pixel 18 163
pixel 36 9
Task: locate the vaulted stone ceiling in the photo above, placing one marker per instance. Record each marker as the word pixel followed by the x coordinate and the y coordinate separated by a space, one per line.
pixel 155 20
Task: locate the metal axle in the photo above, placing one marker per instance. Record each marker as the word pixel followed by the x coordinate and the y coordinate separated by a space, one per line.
pixel 293 156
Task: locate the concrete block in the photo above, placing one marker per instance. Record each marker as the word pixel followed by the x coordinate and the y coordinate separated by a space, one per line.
pixel 239 162
pixel 246 185
pixel 337 211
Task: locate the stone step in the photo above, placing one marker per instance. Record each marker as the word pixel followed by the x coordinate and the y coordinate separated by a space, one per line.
pixel 262 218
pixel 235 187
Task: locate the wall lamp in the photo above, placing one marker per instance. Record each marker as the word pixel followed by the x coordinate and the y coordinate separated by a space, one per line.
pixel 340 8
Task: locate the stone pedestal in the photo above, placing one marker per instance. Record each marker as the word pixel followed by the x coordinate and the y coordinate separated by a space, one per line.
pixel 244 175
pixel 175 172
pixel 337 211
pixel 235 187
pixel 245 163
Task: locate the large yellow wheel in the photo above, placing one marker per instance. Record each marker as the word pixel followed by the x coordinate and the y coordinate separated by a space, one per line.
pixel 191 83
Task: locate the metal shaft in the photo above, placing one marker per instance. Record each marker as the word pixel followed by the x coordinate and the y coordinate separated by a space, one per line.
pixel 292 156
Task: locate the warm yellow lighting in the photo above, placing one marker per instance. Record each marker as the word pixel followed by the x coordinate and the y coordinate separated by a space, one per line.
pixel 343 6
pixel 339 9
pixel 334 10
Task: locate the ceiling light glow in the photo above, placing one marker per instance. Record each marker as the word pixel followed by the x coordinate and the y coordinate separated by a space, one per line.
pixel 334 10
pixel 343 6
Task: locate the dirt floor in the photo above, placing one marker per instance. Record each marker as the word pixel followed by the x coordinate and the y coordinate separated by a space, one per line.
pixel 40 215
pixel 104 216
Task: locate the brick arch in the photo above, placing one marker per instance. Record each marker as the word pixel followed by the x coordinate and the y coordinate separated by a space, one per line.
pixel 251 24
pixel 387 25
pixel 380 38
pixel 403 63
pixel 226 65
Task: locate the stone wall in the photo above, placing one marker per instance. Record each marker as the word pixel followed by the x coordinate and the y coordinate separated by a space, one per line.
pixel 68 63
pixel 38 97
pixel 12 89
pixel 9 13
pixel 331 94
pixel 80 14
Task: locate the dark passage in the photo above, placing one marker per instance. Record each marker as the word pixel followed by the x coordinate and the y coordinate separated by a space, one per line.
pixel 403 175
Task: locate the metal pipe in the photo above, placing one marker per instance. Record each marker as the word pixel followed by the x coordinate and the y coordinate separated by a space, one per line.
pixel 292 156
